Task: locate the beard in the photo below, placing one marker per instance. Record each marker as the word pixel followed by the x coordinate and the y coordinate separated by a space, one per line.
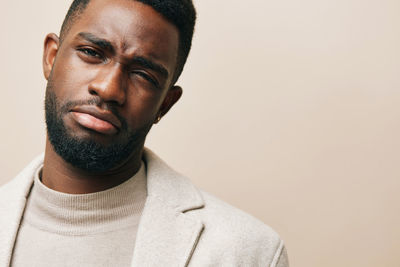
pixel 86 153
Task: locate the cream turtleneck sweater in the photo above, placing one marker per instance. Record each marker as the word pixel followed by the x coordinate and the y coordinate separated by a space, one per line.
pixel 97 229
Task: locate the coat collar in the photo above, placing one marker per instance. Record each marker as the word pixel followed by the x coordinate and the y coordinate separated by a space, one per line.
pixel 170 187
pixel 166 236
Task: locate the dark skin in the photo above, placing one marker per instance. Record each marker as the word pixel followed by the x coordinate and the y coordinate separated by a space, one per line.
pixel 125 53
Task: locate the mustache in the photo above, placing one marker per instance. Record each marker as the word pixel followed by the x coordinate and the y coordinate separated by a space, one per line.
pixel 65 108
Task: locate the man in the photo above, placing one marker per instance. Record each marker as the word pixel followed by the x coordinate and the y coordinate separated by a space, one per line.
pixel 98 197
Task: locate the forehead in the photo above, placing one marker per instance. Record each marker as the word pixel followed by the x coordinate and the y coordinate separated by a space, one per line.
pixel 131 26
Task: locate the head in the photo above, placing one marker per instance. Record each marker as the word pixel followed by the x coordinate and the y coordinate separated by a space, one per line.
pixel 111 75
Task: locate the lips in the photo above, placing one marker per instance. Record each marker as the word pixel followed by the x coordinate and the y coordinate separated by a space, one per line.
pixel 96 119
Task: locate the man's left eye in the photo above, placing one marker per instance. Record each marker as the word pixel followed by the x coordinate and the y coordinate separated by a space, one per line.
pixel 146 77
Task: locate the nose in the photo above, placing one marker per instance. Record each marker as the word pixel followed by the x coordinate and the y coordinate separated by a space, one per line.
pixel 109 85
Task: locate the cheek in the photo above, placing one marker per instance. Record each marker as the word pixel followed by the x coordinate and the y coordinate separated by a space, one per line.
pixel 70 78
pixel 142 106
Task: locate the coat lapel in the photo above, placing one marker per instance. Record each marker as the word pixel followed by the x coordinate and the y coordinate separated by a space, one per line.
pixel 13 199
pixel 167 235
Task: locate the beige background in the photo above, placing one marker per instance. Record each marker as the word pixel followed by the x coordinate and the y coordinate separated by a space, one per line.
pixel 290 112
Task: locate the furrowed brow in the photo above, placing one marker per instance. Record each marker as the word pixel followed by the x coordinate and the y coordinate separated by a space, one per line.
pixel 102 43
pixel 149 64
pixel 142 61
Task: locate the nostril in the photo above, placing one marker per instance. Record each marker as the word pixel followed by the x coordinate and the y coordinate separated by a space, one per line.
pixel 93 92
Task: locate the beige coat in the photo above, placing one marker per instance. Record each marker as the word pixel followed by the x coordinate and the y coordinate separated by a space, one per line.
pixel 180 225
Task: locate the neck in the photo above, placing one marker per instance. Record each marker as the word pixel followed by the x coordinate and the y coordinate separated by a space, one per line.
pixel 63 177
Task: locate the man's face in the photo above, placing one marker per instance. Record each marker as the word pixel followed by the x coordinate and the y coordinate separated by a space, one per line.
pixel 108 81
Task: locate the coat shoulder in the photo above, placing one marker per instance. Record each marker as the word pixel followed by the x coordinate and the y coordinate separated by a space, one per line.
pixel 237 237
pixel 234 219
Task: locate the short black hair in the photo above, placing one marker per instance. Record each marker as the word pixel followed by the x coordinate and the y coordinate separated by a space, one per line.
pixel 181 13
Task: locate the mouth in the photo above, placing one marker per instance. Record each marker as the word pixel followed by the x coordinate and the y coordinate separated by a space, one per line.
pixel 96 119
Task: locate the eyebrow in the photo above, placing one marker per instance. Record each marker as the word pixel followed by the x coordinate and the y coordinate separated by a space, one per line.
pixel 149 64
pixel 102 43
pixel 137 60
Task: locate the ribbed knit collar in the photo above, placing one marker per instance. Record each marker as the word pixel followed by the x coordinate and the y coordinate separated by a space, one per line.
pixel 82 214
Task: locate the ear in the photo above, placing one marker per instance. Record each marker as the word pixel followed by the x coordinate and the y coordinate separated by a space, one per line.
pixel 173 95
pixel 51 45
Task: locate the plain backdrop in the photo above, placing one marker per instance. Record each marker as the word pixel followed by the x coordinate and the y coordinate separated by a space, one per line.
pixel 290 112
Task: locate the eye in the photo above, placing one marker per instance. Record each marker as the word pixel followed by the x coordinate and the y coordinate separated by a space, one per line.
pixel 147 77
pixel 90 53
